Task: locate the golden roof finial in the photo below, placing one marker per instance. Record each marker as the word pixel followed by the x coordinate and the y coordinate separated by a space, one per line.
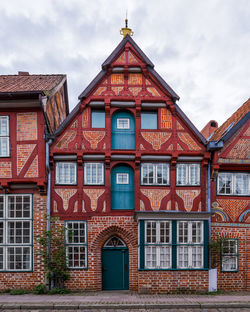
pixel 126 31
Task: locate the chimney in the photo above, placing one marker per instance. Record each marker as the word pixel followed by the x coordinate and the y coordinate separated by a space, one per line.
pixel 23 73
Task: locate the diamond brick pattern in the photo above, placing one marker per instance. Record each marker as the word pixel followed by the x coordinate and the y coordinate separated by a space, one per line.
pixel 117 90
pixel 156 138
pixel 153 91
pixel 94 195
pixel 233 207
pixel 26 126
pixel 23 153
pixel 135 91
pixel 121 59
pixel 5 169
pixel 94 137
pixel 131 58
pixel 188 197
pixel 179 126
pixel 68 137
pixel 65 195
pixel 189 141
pixel 32 172
pixel 155 197
pixel 241 150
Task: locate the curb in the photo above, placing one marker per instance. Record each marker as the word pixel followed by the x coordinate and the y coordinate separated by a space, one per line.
pixel 55 306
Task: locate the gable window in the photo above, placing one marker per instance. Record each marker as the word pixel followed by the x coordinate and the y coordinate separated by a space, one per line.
pixel 76 243
pixel 15 232
pixel 188 174
pixel 94 173
pixel 233 183
pixel 97 118
pixel 155 174
pixel 157 244
pixel 190 244
pixel 4 136
pixel 149 120
pixel 229 255
pixel 122 178
pixel 66 173
pixel 122 123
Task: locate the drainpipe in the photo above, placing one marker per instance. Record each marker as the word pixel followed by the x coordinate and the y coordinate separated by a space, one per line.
pixel 209 202
pixel 48 143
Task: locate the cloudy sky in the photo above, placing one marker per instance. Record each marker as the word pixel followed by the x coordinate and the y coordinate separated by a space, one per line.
pixel 200 47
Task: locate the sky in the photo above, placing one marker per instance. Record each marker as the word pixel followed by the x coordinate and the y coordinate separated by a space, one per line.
pixel 201 48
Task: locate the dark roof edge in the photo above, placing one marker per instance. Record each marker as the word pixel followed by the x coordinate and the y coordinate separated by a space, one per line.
pixel 92 84
pixel 190 124
pixel 68 119
pixel 20 94
pixel 120 46
pixel 235 128
pixel 164 84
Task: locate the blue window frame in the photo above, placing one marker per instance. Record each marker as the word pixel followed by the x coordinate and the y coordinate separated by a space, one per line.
pixel 149 120
pixel 97 118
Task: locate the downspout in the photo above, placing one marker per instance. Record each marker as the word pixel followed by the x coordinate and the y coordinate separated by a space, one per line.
pixel 209 203
pixel 48 143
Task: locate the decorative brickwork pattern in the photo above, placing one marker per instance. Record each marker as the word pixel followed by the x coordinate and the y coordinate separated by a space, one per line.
pixel 153 91
pixel 247 132
pixel 5 169
pixel 117 90
pixel 156 138
pixel 166 118
pixel 83 206
pixel 23 153
pixel 94 137
pixel 155 197
pixel 65 195
pixel 187 139
pixel 32 172
pixel 68 137
pixel 132 58
pixel 135 91
pixel 94 194
pixel 135 79
pixel 26 126
pixel 179 148
pixel 233 207
pixel 117 79
pixel 188 197
pixel 85 118
pixel 142 147
pixel 148 83
pixel 75 207
pixel 170 148
pixel 121 59
pixel 169 205
pixel 55 207
pixel 104 206
pixel 142 206
pixel 179 126
pixel 74 124
pixel 100 90
pixel 240 150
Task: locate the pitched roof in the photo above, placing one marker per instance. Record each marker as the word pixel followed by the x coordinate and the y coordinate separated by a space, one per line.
pixel 111 58
pixel 28 83
pixel 232 122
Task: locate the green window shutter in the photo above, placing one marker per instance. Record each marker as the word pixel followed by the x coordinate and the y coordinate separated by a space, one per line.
pixel 174 244
pixel 142 242
pixel 206 245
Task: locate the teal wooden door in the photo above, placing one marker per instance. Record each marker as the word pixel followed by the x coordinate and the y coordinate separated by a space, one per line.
pixel 123 131
pixel 122 187
pixel 115 268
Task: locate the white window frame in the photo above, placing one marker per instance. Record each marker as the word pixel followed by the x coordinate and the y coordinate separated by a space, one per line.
pixel 66 165
pixel 233 187
pixel 231 257
pixel 156 248
pixel 120 178
pixel 90 166
pixel 121 125
pixel 190 244
pixel 155 167
pixel 188 174
pixel 18 246
pixel 80 243
pixel 5 137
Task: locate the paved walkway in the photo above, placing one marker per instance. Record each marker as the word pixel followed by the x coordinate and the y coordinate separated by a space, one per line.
pixel 126 301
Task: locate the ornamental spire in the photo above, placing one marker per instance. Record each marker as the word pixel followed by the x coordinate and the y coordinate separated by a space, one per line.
pixel 126 31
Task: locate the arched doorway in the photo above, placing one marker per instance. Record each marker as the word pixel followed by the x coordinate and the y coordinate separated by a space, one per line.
pixel 123 130
pixel 122 187
pixel 115 264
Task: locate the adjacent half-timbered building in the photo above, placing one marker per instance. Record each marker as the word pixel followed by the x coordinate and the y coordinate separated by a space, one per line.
pixel 230 191
pixel 129 180
pixel 30 107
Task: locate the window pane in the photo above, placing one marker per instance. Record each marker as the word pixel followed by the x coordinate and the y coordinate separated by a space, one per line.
pixel 150 257
pixel 1 206
pixel 182 254
pixel 165 257
pixel 19 206
pixel 1 258
pixel 183 232
pixel 4 125
pixel 122 123
pixel 66 173
pixel 151 232
pixel 76 232
pixel 242 184
pixel 1 232
pixel 164 232
pixel 196 232
pixel 229 263
pixel 197 256
pixel 225 183
pixel 122 178
pixel 18 258
pixel 181 174
pixel 94 173
pixel 194 174
pixel 19 232
pixel 4 146
pixel 149 120
pixel 97 119
pixel 76 256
